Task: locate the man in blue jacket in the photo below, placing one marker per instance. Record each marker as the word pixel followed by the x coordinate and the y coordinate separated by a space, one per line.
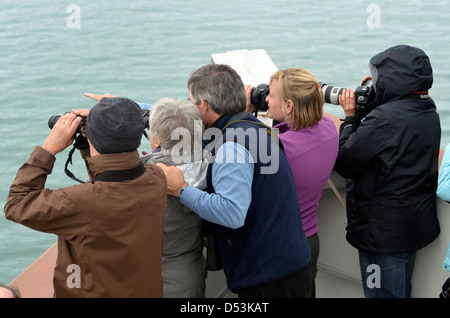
pixel 251 195
pixel 390 160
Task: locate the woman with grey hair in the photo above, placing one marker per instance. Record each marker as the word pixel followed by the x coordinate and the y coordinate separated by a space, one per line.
pixel 175 133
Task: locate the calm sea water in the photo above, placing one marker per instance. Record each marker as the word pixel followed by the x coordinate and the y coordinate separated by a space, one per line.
pixel 51 52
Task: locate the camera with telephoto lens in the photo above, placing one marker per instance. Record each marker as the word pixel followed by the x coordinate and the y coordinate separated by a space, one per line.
pixel 364 97
pixel 258 97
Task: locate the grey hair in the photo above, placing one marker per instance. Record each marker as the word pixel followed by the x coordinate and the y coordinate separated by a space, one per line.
pixel 219 85
pixel 171 118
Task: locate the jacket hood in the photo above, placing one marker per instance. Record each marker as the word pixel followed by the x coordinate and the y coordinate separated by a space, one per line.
pixel 194 171
pixel 401 70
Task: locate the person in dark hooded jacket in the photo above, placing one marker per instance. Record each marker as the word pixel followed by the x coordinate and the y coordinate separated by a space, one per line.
pixel 390 161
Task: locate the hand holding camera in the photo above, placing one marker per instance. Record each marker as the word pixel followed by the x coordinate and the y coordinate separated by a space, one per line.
pixel 347 101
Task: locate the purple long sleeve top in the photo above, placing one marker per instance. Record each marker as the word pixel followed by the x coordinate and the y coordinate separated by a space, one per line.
pixel 311 153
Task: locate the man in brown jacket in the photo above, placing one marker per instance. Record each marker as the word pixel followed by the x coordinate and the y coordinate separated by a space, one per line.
pixel 110 230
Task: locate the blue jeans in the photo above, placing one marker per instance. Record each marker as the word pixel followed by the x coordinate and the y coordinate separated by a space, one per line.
pixel 386 276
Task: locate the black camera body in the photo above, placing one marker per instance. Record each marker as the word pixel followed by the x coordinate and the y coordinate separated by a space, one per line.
pixel 258 97
pixel 364 97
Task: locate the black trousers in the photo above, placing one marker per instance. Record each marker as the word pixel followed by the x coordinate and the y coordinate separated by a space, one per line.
pixel 294 285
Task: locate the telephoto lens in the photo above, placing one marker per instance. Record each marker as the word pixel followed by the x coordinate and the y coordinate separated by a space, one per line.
pixel 331 93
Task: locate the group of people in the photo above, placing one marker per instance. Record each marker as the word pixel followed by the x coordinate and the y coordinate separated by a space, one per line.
pixel 135 228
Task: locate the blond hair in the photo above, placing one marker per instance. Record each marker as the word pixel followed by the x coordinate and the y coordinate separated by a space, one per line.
pixel 302 88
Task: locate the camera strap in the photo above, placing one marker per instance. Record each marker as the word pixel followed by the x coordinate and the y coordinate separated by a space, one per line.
pixel 109 175
pixel 121 175
pixel 67 171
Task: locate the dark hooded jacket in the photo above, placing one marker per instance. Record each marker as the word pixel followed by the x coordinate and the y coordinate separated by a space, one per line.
pixel 390 159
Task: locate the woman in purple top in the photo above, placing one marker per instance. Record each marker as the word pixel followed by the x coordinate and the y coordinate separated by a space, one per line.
pixel 310 142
